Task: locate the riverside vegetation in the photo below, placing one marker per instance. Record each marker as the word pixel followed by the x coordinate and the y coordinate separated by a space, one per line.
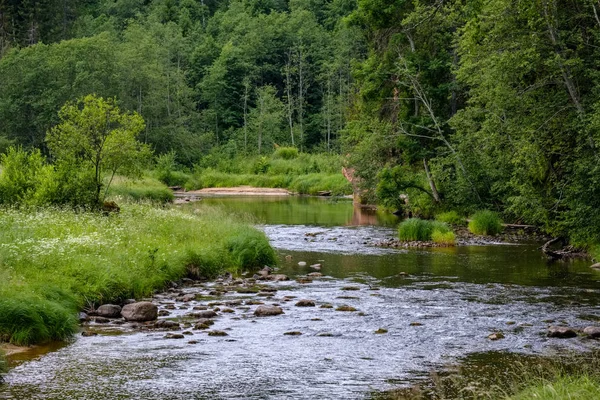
pixel 62 248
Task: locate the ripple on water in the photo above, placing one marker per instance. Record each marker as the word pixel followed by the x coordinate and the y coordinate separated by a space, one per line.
pixel 338 354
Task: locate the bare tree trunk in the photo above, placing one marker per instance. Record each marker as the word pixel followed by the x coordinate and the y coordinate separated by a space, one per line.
pixel 290 98
pixel 434 191
pixel 246 90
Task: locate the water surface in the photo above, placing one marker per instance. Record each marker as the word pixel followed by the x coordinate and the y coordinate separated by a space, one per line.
pixel 437 305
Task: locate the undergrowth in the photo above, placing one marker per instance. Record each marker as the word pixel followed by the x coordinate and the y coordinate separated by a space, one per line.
pixel 54 262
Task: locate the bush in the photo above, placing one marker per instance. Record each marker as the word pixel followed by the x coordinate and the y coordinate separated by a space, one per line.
pixel 450 217
pixel 166 170
pixel 563 387
pixel 415 229
pixel 485 222
pixel 287 153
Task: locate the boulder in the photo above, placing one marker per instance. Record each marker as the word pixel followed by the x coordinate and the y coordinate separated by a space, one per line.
pixel 305 303
pixel 217 333
pixel 83 317
pixel 140 311
pixel 302 264
pixel 562 332
pixel 496 336
pixel 109 311
pixel 316 266
pixel 266 311
pixel 592 331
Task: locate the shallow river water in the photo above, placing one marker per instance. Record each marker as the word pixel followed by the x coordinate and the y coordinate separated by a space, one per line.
pixel 437 305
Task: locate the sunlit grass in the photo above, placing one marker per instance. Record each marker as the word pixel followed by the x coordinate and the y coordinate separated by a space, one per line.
pixel 54 262
pixel 485 222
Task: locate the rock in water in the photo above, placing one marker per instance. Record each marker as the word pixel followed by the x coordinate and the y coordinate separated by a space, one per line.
pixel 267 311
pixel 562 332
pixel 305 303
pixel 302 264
pixel 140 312
pixel 109 311
pixel 592 331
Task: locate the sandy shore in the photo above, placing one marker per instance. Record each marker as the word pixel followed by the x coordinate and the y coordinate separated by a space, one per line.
pixel 232 191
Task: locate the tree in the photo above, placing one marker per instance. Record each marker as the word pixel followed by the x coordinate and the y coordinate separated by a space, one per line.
pixel 95 136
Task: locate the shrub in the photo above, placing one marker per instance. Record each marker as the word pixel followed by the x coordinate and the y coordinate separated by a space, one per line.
pixel 485 222
pixel 450 217
pixel 287 153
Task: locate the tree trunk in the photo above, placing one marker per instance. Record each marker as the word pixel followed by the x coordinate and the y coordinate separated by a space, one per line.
pixel 434 191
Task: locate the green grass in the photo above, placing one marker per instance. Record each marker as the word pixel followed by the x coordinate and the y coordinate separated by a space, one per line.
pixel 485 222
pixel 148 189
pixel 415 229
pixel 510 376
pixel 444 238
pixel 55 262
pixel 285 168
pixel 450 217
pixel 562 388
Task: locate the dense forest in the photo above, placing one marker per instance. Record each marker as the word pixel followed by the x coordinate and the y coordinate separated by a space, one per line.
pixel 462 105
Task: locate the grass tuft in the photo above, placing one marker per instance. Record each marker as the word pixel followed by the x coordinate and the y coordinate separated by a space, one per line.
pixel 415 229
pixel 444 238
pixel 485 222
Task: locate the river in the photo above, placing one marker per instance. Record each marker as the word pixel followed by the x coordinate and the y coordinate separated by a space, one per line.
pixel 437 306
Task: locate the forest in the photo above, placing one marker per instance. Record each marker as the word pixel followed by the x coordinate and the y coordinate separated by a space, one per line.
pixel 434 105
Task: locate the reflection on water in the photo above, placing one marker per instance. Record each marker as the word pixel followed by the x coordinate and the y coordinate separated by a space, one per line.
pixel 301 210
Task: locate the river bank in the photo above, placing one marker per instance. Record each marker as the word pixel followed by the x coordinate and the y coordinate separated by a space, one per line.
pixel 56 262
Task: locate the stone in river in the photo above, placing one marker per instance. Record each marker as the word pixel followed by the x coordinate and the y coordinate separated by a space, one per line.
pixel 496 336
pixel 266 311
pixel 174 336
pixel 562 332
pixel 305 303
pixel 302 264
pixel 592 331
pixel 109 311
pixel 140 311
pixel 203 314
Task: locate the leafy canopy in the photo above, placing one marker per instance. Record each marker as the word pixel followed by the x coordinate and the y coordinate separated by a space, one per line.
pixel 94 135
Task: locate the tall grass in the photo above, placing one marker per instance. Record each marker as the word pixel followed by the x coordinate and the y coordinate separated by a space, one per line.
pixel 54 262
pixel 415 229
pixel 485 222
pixel 148 189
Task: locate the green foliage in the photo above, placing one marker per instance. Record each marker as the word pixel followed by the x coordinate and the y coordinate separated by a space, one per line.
pixel 166 170
pixel 451 218
pixel 415 229
pixel 22 175
pixel 95 136
pixel 250 249
pixel 444 238
pixel 286 153
pixel 54 262
pixel 136 190
pixel 485 222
